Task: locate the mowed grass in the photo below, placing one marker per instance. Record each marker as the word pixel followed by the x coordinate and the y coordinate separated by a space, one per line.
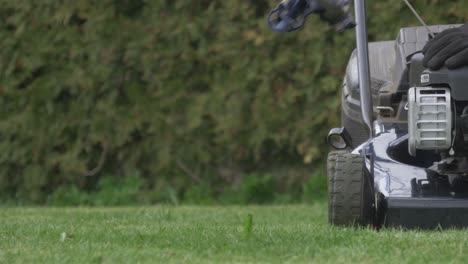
pixel 275 234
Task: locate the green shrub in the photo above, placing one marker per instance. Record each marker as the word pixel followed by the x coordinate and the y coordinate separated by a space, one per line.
pixel 177 91
pixel 114 191
pixel 111 191
pixel 315 188
pixel 68 196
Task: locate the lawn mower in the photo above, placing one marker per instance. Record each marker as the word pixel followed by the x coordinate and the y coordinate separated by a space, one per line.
pixel 400 157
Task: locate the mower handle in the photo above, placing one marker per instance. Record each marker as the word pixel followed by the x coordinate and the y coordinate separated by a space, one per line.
pixel 362 48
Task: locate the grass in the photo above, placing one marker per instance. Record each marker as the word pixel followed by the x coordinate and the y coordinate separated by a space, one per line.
pixel 255 234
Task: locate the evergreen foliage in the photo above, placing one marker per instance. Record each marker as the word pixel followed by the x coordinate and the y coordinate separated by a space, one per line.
pixel 177 93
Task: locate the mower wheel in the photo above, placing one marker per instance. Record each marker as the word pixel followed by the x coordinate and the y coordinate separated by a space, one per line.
pixel 331 166
pixel 350 192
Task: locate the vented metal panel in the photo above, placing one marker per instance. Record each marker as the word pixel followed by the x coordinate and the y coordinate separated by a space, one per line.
pixel 430 119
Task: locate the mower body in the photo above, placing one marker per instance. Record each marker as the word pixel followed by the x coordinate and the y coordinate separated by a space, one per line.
pixel 416 181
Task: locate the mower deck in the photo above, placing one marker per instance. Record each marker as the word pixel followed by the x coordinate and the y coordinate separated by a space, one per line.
pixel 426 213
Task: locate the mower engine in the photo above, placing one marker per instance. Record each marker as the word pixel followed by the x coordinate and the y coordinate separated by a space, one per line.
pixel 438 117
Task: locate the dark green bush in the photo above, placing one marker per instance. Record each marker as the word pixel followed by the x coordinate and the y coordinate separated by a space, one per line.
pixel 182 93
pixel 111 191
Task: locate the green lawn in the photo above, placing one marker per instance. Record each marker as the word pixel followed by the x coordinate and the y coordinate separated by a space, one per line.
pixel 278 234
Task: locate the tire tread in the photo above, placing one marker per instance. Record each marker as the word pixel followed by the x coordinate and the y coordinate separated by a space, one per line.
pixel 350 201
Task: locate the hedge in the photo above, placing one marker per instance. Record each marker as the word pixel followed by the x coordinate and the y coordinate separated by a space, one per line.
pixel 176 93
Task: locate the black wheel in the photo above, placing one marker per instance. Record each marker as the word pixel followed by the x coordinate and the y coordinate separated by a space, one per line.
pixel 331 160
pixel 350 199
pixel 331 166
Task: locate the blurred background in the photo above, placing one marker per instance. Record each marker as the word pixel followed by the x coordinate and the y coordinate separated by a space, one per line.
pixel 121 102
